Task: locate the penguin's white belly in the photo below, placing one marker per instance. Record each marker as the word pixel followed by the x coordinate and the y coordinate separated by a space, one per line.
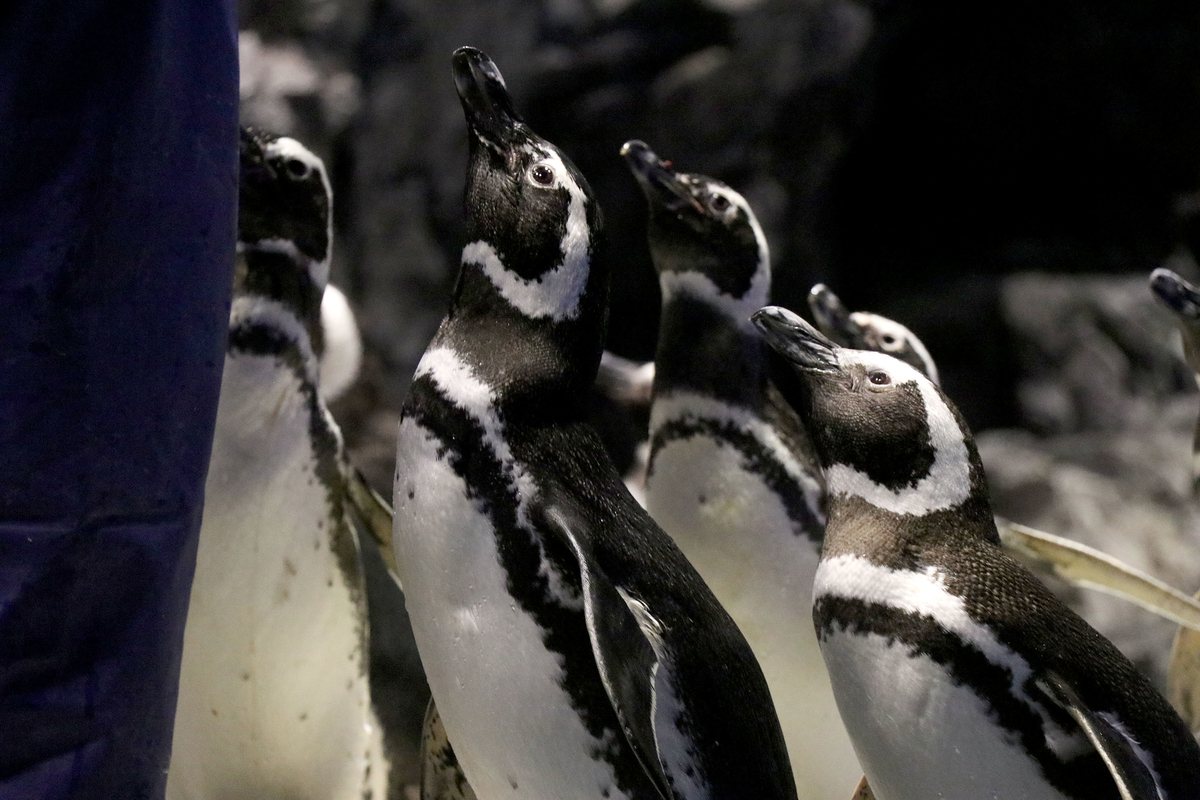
pixel 920 735
pixel 736 532
pixel 273 698
pixel 497 687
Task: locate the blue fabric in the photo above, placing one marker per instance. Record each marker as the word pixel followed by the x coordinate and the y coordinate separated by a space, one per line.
pixel 118 212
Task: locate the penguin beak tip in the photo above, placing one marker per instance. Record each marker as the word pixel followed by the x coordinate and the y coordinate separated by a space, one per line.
pixel 482 90
pixel 827 309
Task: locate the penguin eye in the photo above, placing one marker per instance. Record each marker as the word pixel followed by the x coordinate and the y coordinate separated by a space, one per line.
pixel 297 168
pixel 719 203
pixel 879 378
pixel 542 175
pixel 890 341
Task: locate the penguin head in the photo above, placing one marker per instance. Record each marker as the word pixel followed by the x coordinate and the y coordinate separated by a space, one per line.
pixel 882 430
pixel 861 330
pixel 1183 299
pixel 284 232
pixel 704 237
pixel 532 223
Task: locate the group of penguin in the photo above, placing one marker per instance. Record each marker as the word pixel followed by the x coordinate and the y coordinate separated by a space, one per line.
pixel 812 590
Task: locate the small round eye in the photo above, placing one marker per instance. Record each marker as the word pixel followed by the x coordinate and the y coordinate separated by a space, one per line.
pixel 297 168
pixel 542 175
pixel 879 378
pixel 719 203
pixel 889 338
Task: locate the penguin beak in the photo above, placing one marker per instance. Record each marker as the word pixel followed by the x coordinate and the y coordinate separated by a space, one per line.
pixel 797 341
pixel 485 101
pixel 832 317
pixel 252 157
pixel 659 182
pixel 1176 294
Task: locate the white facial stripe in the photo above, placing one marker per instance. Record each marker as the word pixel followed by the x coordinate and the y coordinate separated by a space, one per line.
pixel 903 336
pixel 254 309
pixel 855 578
pixel 701 287
pixel 555 294
pixel 460 384
pixel 679 406
pixel 949 480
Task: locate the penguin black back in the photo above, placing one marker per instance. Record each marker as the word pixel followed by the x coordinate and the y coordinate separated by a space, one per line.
pixel 526 563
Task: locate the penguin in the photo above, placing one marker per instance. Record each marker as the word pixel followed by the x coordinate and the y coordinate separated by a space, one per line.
pixel 861 330
pixel 732 477
pixel 957 672
pixel 273 695
pixel 1183 300
pixel 571 649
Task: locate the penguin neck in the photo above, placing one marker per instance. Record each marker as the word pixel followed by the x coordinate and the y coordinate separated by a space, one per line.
pixel 266 326
pixel 706 346
pixel 949 502
pixel 536 366
pixel 277 272
pixel 858 529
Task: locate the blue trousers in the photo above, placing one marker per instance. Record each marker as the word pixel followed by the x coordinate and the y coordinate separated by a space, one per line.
pixel 118 213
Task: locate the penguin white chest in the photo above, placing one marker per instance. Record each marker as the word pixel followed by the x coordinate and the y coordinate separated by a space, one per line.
pixel 498 688
pixel 919 731
pixel 921 735
pixel 737 533
pixel 273 699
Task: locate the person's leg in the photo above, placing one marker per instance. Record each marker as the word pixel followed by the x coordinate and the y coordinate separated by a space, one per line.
pixel 118 210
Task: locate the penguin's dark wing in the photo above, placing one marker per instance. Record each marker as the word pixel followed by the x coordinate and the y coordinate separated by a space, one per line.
pixel 374 515
pixel 626 639
pixel 1122 755
pixel 441 776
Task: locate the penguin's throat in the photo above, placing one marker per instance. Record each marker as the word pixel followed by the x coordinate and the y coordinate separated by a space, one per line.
pixel 264 326
pixel 702 349
pixel 316 269
pixel 698 286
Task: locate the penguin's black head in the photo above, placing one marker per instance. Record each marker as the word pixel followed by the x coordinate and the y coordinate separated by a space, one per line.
pixel 532 223
pixel 1177 294
pixel 860 330
pixel 284 198
pixel 882 430
pixel 701 228
pixel 284 232
pixel 1182 298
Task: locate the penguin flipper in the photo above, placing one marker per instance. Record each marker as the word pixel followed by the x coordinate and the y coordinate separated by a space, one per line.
pixel 442 777
pixel 1122 755
pixel 375 514
pixel 1093 569
pixel 626 643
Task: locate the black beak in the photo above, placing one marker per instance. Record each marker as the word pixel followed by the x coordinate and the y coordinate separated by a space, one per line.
pixel 1176 294
pixel 832 317
pixel 484 97
pixel 659 182
pixel 796 340
pixel 252 156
